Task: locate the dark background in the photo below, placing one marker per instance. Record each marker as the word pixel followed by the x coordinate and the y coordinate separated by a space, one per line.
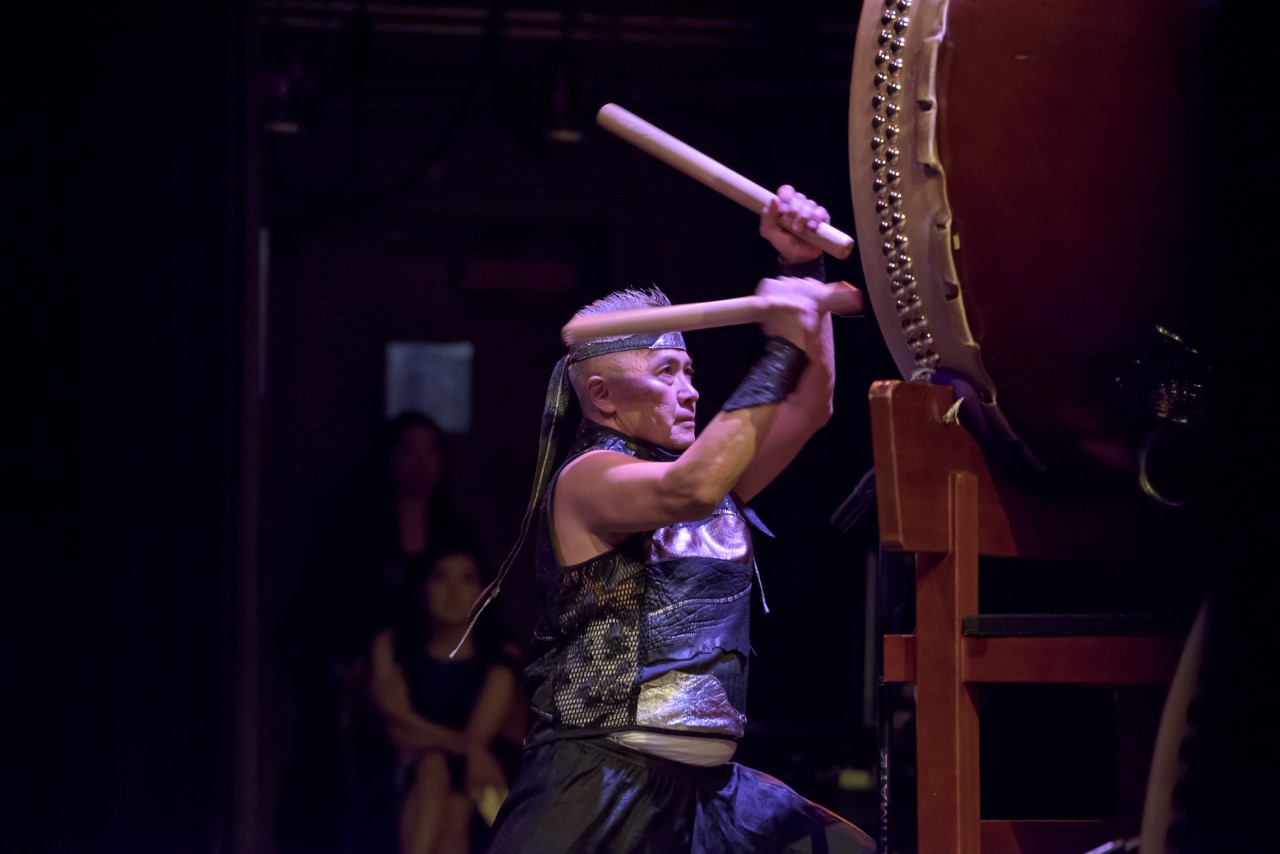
pixel 196 308
pixel 201 309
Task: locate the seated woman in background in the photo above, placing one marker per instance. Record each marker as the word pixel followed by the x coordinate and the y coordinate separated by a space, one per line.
pixel 443 716
pixel 415 520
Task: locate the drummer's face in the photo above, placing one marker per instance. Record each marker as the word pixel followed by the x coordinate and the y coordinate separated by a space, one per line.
pixel 655 398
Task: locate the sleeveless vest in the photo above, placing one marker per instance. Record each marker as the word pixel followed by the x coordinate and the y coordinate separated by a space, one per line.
pixel 653 635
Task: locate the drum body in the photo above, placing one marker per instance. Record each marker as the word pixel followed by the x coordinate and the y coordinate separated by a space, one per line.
pixel 1030 187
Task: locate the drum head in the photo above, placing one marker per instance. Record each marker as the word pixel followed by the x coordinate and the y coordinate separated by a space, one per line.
pixel 1029 185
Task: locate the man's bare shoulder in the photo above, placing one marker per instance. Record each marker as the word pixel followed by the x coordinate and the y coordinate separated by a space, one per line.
pixel 605 495
pixel 589 473
pixel 581 492
pixel 594 463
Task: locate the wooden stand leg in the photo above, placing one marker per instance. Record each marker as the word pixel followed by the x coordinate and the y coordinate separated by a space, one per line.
pixel 946 716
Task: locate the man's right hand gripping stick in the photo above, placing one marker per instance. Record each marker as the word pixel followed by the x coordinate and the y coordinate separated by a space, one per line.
pixel 840 298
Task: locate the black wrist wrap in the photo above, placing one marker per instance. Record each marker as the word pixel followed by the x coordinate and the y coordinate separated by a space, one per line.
pixel 771 378
pixel 814 269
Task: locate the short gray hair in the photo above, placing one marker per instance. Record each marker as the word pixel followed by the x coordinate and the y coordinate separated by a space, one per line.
pixel 623 300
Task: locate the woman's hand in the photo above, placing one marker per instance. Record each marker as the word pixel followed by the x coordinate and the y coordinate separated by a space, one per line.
pixel 483 771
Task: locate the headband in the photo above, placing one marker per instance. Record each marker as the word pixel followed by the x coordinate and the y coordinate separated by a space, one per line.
pixel 603 346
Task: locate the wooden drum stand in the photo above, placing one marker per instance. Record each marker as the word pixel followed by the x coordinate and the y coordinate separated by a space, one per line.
pixel 938 498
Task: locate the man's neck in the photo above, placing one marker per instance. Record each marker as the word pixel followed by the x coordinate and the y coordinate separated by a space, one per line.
pixel 590 429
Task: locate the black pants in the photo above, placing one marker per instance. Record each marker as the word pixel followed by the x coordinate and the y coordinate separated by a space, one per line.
pixel 593 795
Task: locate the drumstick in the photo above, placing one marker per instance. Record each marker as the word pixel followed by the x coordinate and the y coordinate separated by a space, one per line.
pixel 718 177
pixel 840 298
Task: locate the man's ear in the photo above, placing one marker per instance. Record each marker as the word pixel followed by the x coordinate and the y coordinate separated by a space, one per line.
pixel 598 392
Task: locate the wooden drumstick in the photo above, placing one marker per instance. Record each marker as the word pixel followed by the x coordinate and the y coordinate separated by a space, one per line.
pixel 718 177
pixel 840 298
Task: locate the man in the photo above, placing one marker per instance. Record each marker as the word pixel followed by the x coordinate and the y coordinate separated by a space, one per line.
pixel 637 680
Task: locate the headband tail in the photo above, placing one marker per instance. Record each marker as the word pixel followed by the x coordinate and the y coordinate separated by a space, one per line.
pixel 559 395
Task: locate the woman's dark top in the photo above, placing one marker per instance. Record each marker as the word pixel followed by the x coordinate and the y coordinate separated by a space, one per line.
pixel 444 692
